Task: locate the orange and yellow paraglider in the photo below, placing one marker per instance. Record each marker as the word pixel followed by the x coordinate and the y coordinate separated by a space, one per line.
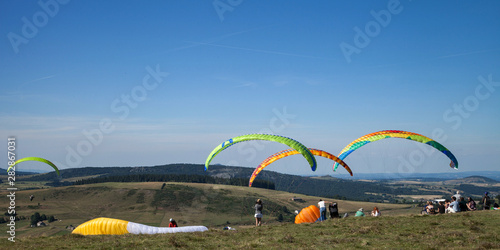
pixel 292 151
pixel 309 214
pixel 103 225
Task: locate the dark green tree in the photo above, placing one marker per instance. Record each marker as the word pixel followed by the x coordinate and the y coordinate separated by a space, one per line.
pixel 35 218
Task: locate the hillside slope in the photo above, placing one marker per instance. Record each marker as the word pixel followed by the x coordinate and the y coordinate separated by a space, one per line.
pixel 153 203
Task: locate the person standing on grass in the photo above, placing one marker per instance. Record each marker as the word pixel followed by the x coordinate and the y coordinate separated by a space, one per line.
pixel 258 212
pixel 486 201
pixel 322 209
pixel 334 210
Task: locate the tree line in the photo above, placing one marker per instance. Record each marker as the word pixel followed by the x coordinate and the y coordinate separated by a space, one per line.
pixel 177 178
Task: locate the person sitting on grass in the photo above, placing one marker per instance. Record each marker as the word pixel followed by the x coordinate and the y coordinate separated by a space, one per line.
pixel 375 212
pixel 430 208
pixel 359 213
pixel 172 223
pixel 463 204
pixel 441 208
pixel 471 205
pixel 454 207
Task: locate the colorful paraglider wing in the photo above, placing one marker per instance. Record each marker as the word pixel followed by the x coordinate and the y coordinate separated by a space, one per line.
pixel 34 159
pixel 292 151
pixel 395 134
pixel 309 214
pixel 114 226
pixel 281 139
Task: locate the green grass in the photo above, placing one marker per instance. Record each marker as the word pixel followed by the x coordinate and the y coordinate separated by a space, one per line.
pixel 457 231
pixel 217 206
pixel 188 203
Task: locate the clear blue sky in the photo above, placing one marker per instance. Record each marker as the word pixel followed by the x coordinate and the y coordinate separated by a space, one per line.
pixel 321 72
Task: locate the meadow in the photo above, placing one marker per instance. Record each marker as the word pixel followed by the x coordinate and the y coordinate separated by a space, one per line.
pixel 219 206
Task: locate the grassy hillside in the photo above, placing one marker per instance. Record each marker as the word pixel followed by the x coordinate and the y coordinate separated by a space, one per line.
pixel 454 231
pixel 217 206
pixel 214 206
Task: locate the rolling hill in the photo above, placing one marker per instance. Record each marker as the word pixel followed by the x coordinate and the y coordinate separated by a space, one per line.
pixel 217 206
pixel 153 203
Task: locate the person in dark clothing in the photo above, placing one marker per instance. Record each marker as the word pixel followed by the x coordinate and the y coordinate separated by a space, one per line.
pixel 471 205
pixel 463 204
pixel 486 201
pixel 334 210
pixel 258 212
pixel 441 208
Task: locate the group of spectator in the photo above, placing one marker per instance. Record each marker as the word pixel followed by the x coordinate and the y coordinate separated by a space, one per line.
pixel 457 203
pixel 375 212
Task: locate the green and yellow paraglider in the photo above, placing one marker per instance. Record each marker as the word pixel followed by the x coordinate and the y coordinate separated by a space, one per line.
pixel 281 139
pixel 35 159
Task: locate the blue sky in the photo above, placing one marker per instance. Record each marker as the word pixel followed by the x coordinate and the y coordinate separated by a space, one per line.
pixel 134 83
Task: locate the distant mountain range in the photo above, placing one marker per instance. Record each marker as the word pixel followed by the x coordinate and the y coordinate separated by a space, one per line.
pixel 378 188
pixel 495 175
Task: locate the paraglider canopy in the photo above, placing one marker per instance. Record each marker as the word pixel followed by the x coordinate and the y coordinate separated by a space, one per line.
pixel 35 159
pixel 292 151
pixel 309 214
pixel 281 139
pixel 395 134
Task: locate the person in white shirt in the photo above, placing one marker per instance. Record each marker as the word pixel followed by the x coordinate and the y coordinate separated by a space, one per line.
pixel 375 212
pixel 322 209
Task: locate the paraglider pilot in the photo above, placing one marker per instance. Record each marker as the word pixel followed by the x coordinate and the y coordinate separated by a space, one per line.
pixel 172 223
